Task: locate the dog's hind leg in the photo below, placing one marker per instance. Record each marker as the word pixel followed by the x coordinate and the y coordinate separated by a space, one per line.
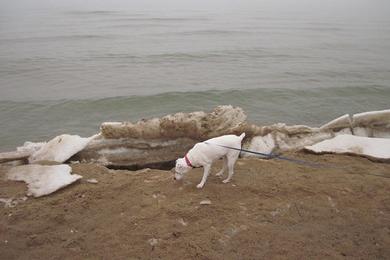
pixel 224 166
pixel 230 165
pixel 204 178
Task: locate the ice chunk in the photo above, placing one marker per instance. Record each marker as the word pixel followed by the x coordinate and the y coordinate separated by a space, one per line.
pixel 262 144
pixel 153 241
pixel 30 147
pixel 205 202
pixel 287 142
pixel 182 222
pixel 196 125
pixel 362 131
pixel 381 133
pixel 43 180
pixel 372 118
pixel 344 131
pixel 112 123
pixel 60 148
pixel 93 181
pixel 338 123
pixel 374 147
pixel 13 156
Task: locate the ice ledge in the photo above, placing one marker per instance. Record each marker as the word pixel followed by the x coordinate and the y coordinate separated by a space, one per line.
pixel 166 138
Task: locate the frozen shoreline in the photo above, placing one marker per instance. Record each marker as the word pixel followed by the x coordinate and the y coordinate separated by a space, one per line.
pixel 158 142
pixel 164 139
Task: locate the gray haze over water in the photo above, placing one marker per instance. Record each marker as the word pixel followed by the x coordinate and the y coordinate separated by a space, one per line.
pixel 66 67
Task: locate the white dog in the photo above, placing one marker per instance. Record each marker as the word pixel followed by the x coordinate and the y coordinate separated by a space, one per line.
pixel 205 153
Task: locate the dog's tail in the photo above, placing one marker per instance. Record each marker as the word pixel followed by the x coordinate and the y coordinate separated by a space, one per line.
pixel 242 136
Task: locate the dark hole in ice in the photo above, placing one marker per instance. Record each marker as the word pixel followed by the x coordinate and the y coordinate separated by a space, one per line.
pixel 164 165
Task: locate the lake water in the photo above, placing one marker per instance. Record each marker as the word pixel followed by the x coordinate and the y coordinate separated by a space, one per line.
pixel 65 68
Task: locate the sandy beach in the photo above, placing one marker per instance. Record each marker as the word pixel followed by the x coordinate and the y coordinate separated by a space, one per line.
pixel 271 210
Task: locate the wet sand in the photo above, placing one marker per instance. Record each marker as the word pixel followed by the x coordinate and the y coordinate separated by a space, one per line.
pixel 271 210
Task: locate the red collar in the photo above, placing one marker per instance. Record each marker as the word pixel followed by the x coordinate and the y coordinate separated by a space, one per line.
pixel 188 161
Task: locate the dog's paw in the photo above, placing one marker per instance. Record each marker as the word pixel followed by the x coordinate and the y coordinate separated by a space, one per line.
pixel 219 174
pixel 199 186
pixel 226 181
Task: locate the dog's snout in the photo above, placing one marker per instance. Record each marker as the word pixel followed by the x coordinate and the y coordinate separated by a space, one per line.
pixel 174 178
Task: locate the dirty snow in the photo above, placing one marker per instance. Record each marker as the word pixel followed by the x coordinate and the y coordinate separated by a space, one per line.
pixel 11 202
pixel 8 203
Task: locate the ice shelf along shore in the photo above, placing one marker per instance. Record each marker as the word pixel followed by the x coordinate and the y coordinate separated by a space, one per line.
pixel 157 141
pixel 164 139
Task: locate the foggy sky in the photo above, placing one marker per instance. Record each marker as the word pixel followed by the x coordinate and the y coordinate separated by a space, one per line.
pixel 355 9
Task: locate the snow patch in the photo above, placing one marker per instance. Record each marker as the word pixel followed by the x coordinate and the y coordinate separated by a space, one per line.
pixel 11 202
pixel 43 180
pixel 374 147
pixel 8 203
pixel 60 148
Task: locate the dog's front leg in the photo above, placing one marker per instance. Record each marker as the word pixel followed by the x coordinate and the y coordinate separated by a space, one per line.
pixel 206 171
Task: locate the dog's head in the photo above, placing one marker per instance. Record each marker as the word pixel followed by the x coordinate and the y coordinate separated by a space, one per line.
pixel 181 168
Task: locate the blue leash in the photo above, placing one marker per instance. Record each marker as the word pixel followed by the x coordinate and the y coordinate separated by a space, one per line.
pixel 276 156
